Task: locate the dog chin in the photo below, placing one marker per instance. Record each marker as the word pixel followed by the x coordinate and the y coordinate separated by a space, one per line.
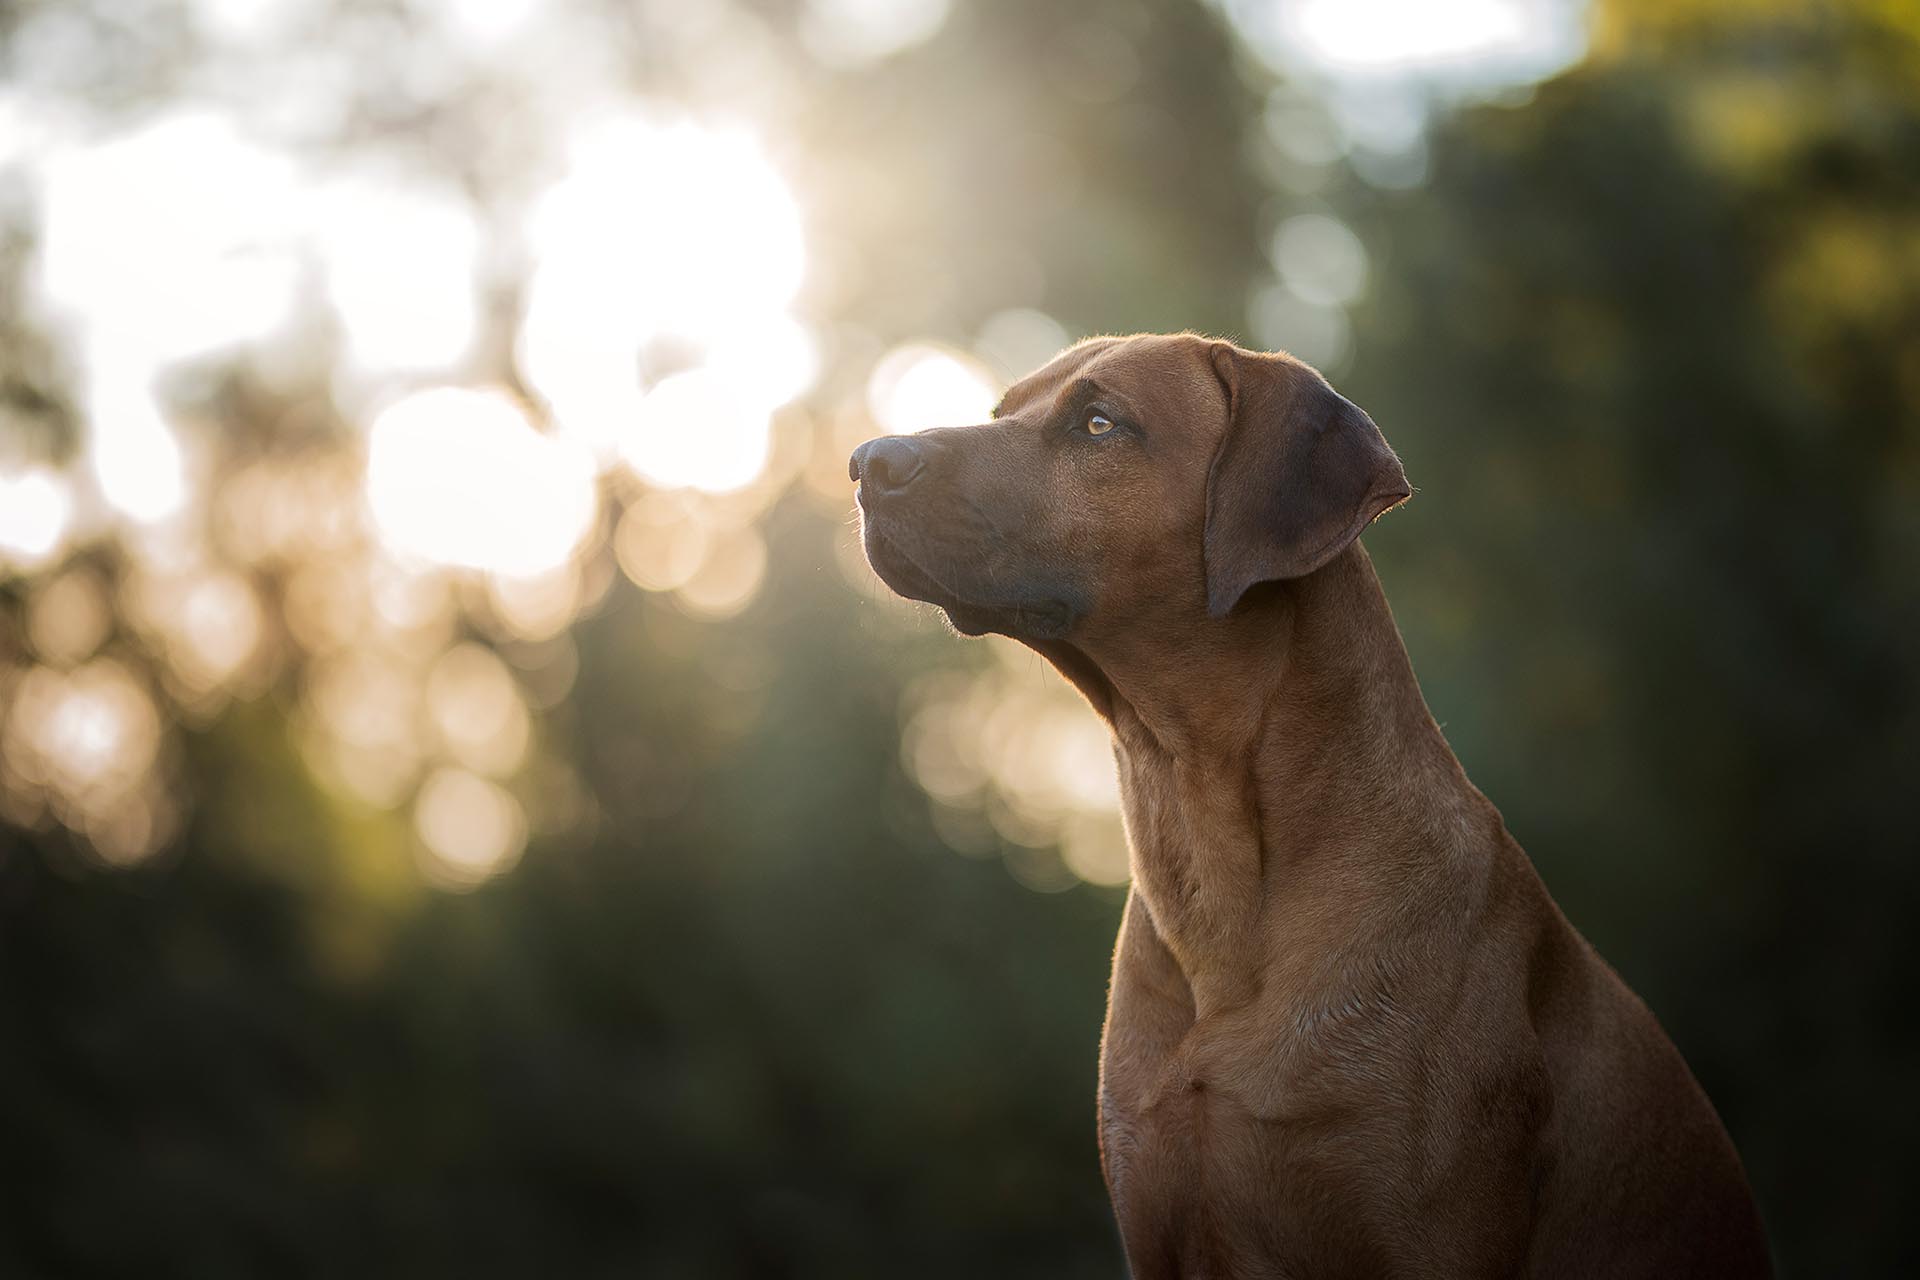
pixel 1043 620
pixel 901 573
pixel 972 620
pixel 1037 619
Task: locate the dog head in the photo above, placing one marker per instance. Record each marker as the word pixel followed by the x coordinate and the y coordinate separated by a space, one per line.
pixel 1143 482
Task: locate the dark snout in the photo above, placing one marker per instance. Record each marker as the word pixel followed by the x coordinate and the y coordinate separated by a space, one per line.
pixel 887 465
pixel 947 517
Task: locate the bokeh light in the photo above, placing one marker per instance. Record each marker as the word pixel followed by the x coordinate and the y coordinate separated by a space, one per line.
pixel 662 540
pixel 853 33
pixel 35 508
pixel 698 429
pixel 656 349
pixel 656 323
pixel 1017 744
pixel 83 744
pixel 151 269
pixel 460 477
pixel 1019 340
pixel 1320 260
pixel 208 623
pixel 93 730
pixel 423 466
pixel 476 710
pixel 918 386
pixel 400 267
pixel 69 617
pixel 1476 41
pixel 655 346
pixel 471 829
pixel 364 725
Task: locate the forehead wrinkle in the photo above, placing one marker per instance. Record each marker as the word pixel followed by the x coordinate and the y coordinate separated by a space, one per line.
pixel 1162 382
pixel 1063 366
pixel 1083 387
pixel 1140 371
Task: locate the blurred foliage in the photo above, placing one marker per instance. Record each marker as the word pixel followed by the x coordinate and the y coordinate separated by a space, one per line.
pixel 1646 339
pixel 1647 346
pixel 767 1026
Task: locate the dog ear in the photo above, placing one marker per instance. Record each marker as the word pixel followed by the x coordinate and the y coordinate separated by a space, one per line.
pixel 1299 474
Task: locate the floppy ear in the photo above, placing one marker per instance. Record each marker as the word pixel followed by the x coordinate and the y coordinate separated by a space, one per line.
pixel 1300 473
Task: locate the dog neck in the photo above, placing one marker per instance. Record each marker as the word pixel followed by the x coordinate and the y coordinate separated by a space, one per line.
pixel 1284 773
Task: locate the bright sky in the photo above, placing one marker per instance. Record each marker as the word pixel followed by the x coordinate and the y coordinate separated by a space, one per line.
pixel 664 257
pixel 1459 43
pixel 661 258
pixel 658 236
pixel 676 238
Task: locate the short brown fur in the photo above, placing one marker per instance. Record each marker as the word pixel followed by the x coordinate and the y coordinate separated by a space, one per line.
pixel 1349 1033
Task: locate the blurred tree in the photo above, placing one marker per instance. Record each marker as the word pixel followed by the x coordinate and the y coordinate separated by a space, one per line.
pixel 1647 346
pixel 1645 340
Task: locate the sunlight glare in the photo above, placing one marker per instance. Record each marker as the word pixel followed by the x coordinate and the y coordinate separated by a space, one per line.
pixel 771 358
pixel 174 240
pixel 656 324
pixel 36 507
pixel 400 274
pixel 170 242
pixel 853 33
pixel 134 454
pixel 1389 33
pixel 919 386
pixel 535 607
pixel 484 23
pixel 1484 41
pixel 698 429
pixel 460 477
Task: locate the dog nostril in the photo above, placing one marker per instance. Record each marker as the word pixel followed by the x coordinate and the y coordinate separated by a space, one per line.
pixel 887 465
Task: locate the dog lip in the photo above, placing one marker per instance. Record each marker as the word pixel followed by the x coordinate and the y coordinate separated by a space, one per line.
pixel 908 577
pixel 916 581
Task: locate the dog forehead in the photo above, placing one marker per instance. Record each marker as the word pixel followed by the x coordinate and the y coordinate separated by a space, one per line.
pixel 1176 362
pixel 1168 381
pixel 1048 380
pixel 1157 373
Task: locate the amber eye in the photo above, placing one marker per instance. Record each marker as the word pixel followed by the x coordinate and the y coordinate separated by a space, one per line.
pixel 1098 424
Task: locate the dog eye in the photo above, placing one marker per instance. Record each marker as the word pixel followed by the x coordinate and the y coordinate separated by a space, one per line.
pixel 1098 424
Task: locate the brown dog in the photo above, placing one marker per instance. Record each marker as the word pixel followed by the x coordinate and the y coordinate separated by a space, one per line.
pixel 1349 1034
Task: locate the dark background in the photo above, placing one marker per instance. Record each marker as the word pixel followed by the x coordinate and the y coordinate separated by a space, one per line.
pixel 1647 337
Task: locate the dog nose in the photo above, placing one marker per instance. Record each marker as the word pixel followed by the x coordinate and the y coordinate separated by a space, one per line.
pixel 886 465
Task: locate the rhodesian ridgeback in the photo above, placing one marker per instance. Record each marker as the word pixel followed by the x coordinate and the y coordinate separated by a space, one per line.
pixel 1349 1033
